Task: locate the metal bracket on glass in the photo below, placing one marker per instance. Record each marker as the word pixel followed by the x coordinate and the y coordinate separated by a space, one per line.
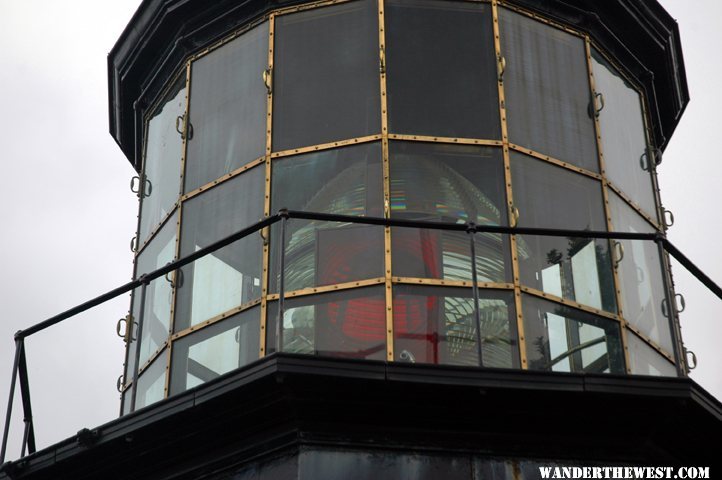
pixel 143 188
pixel 514 214
pixel 655 154
pixel 619 253
pixel 690 355
pixel 593 110
pixel 264 236
pixel 184 129
pixel 679 305
pixel 125 334
pixel 668 218
pixel 120 383
pixel 268 80
pixel 382 60
pixel 134 243
pixel 178 278
pixel 501 67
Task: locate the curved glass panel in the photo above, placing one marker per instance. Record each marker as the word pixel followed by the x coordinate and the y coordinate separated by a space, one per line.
pixel 640 276
pixel 348 323
pixel 546 82
pixel 346 181
pixel 563 339
pixel 326 68
pixel 163 155
pixel 438 325
pixel 227 108
pixel 158 294
pixel 151 383
pixel 624 141
pixel 441 69
pixel 578 269
pixel 230 276
pixel 644 360
pixel 448 183
pixel 217 349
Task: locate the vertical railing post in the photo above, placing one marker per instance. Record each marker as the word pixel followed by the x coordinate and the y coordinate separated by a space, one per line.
pixel 283 213
pixel 139 341
pixel 471 230
pixel 8 413
pixel 671 309
pixel 29 433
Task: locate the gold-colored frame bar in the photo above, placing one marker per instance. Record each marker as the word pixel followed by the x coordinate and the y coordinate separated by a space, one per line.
pixel 266 232
pixel 216 319
pixel 157 229
pixel 523 362
pixel 224 178
pixel 607 211
pixel 449 140
pixel 327 288
pixel 554 161
pixel 650 343
pixel 571 303
pixel 326 146
pixel 388 287
pixel 440 282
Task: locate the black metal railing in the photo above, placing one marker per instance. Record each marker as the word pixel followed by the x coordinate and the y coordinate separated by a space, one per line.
pixel 20 370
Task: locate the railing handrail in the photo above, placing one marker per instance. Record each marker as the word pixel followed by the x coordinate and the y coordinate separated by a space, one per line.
pixel 20 366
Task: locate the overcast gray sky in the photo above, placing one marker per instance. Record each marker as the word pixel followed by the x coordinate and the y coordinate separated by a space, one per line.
pixel 67 213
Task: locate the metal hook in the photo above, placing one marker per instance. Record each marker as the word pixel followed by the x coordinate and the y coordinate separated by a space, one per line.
pixel 501 67
pixel 382 60
pixel 681 302
pixel 600 96
pixel 132 185
pixel 687 354
pixel 126 335
pixel 268 80
pixel 134 243
pixel 179 121
pixel 667 213
pixel 619 250
pixel 120 383
pixel 514 220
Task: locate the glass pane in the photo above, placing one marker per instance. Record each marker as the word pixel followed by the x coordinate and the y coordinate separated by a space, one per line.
pixel 326 69
pixel 151 383
pixel 578 269
pixel 546 83
pixel 159 293
pixel 346 181
pixel 215 350
pixel 231 276
pixel 644 360
pixel 227 108
pixel 640 276
pixel 441 69
pixel 438 325
pixel 563 339
pixel 348 323
pixel 163 153
pixel 448 183
pixel 624 141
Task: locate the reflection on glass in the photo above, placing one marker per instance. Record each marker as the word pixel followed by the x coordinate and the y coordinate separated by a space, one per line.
pixel 163 152
pixel 348 323
pixel 640 276
pixel 151 383
pixel 563 339
pixel 344 181
pixel 448 183
pixel 548 99
pixel 326 69
pixel 438 325
pixel 227 108
pixel 215 350
pixel 231 276
pixel 159 293
pixel 624 141
pixel 578 269
pixel 441 69
pixel 644 360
